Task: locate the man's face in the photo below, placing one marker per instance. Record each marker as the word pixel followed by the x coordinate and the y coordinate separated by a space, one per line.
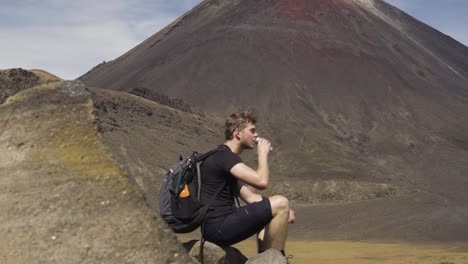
pixel 247 136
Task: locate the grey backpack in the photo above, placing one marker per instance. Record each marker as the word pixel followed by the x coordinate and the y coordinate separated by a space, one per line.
pixel 179 198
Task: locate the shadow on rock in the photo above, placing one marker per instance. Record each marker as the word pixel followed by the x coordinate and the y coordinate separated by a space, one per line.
pixel 214 254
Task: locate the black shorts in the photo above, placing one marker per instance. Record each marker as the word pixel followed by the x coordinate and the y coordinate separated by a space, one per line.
pixel 244 222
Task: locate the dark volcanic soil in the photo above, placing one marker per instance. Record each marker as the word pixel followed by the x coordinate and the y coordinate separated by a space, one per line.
pixel 76 160
pixel 146 138
pixel 365 105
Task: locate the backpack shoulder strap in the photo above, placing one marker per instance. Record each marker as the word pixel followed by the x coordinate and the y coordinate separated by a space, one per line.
pixel 209 153
pixel 200 159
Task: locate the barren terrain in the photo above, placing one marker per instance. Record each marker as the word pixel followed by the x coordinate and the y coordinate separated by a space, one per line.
pixel 365 105
pixel 63 198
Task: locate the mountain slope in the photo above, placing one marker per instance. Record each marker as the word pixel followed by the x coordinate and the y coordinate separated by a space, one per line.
pixel 354 94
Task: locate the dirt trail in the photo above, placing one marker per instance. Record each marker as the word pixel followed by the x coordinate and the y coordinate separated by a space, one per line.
pixel 349 252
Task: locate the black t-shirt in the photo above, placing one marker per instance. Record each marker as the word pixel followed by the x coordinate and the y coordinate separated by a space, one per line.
pixel 215 173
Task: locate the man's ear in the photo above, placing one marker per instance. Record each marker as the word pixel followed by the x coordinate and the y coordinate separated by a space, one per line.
pixel 236 133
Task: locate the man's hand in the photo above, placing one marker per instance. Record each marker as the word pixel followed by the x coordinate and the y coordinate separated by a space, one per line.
pixel 263 146
pixel 291 218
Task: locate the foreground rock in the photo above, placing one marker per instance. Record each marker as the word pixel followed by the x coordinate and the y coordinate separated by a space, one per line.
pixel 270 256
pixel 214 254
pixel 63 199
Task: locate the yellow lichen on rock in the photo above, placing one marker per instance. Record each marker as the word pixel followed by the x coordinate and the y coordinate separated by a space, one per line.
pixel 46 77
pixel 63 198
pixel 66 133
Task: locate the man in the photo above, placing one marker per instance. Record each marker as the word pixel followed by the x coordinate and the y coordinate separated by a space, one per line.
pixel 266 217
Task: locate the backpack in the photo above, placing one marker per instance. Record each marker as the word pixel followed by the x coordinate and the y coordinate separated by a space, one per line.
pixel 179 198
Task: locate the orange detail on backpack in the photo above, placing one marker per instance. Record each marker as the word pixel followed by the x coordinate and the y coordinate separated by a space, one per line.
pixel 185 192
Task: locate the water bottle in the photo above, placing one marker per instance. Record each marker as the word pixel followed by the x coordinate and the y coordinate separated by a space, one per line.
pixel 258 138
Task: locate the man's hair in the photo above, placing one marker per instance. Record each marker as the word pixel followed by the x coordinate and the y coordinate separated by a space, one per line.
pixel 238 121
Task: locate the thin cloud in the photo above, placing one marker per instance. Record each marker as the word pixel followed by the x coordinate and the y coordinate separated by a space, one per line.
pixel 68 38
pixel 64 51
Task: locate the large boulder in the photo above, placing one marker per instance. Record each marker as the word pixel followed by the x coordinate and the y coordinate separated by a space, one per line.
pixel 63 198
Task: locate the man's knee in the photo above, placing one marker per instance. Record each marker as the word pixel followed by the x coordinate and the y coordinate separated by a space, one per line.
pixel 279 204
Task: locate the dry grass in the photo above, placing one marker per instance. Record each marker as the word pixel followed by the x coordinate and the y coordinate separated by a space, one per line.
pixel 347 252
pixel 63 199
pixel 46 77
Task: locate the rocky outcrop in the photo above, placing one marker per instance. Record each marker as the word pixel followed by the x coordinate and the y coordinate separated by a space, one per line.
pixel 162 99
pixel 13 81
pixel 63 198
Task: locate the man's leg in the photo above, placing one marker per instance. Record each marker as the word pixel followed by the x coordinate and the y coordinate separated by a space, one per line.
pixel 275 233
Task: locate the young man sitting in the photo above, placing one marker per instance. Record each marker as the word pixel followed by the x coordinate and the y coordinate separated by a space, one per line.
pixel 266 217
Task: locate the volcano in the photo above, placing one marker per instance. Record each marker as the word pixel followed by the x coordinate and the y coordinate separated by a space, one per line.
pixel 366 106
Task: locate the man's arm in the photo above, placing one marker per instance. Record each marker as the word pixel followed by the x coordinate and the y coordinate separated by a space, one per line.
pixel 259 178
pixel 247 195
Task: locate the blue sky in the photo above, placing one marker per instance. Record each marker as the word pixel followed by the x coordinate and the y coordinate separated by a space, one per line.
pixel 68 38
